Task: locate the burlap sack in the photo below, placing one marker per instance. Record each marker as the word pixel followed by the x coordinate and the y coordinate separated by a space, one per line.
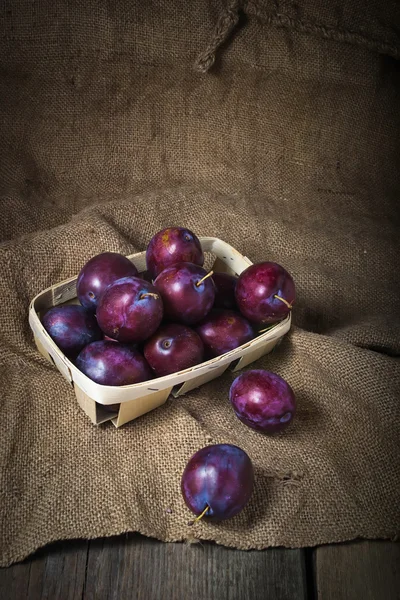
pixel 287 149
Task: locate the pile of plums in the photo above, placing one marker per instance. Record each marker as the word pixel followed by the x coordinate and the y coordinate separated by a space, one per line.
pixel 172 318
pixel 130 327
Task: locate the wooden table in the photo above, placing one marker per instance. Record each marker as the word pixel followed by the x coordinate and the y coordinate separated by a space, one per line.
pixel 137 568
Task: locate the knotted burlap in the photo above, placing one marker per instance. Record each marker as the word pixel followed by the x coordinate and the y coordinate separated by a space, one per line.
pixel 287 149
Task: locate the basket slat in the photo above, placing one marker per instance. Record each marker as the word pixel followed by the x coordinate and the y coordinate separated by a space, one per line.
pixel 191 384
pixel 139 406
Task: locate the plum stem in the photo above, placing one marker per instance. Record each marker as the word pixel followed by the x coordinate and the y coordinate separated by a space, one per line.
pixel 204 278
pixel 283 300
pixel 148 294
pixel 201 515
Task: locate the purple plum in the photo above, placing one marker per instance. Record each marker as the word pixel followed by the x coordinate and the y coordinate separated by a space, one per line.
pixel 71 327
pixel 265 293
pixel 98 273
pixel 225 286
pixel 263 400
pixel 173 348
pixel 108 363
pixel 224 330
pixel 130 310
pixel 218 481
pixel 170 246
pixel 187 292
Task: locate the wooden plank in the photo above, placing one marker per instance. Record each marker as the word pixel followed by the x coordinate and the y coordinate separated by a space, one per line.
pixel 55 573
pixel 358 571
pixel 144 569
pixel 14 581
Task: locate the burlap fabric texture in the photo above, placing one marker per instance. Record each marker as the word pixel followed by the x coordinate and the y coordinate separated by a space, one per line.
pixel 275 129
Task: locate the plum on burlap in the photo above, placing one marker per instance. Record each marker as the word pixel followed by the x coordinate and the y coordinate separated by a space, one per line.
pixel 285 146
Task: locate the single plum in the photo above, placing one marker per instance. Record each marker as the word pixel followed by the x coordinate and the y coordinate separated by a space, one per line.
pixel 218 481
pixel 108 363
pixel 225 286
pixel 170 246
pixel 265 293
pixel 71 327
pixel 173 348
pixel 130 310
pixel 98 273
pixel 263 400
pixel 187 292
pixel 224 330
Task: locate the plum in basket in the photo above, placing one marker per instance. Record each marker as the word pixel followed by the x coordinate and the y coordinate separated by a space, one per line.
pixel 265 293
pixel 130 310
pixel 172 348
pixel 71 327
pixel 170 246
pixel 108 363
pixel 187 292
pixel 98 273
pixel 224 330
